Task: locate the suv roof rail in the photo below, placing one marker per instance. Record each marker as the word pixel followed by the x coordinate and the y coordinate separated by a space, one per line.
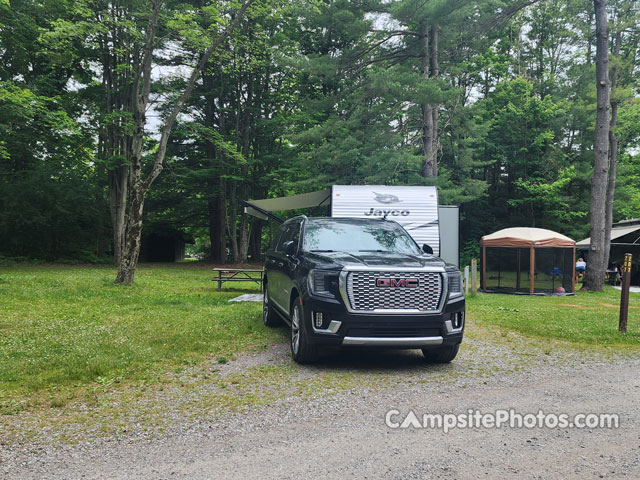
pixel 304 217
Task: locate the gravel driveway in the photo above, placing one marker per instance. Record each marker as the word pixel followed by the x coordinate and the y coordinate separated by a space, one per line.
pixel 343 435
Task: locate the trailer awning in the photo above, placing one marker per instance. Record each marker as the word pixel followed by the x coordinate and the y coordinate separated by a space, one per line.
pixel 616 232
pixel 264 208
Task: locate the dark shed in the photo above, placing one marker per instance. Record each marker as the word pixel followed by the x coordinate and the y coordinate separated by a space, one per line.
pixel 164 244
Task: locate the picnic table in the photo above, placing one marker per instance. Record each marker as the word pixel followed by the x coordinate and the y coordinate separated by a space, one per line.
pixel 238 275
pixel 613 276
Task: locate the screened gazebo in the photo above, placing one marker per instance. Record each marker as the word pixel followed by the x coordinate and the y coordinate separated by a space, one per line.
pixel 528 261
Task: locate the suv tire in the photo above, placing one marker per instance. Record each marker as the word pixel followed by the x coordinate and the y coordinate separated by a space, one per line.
pixel 269 316
pixel 302 351
pixel 443 354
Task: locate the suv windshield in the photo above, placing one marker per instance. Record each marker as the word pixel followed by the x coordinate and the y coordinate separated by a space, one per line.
pixel 357 237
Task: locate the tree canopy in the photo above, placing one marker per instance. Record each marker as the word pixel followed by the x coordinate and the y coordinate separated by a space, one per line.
pixel 492 101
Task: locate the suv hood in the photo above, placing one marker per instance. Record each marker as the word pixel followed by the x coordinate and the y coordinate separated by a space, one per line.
pixel 377 259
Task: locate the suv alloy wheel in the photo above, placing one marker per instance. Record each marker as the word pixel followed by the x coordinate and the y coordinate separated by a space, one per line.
pixel 269 317
pixel 302 350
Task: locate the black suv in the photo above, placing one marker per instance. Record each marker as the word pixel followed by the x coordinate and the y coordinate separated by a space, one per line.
pixel 348 281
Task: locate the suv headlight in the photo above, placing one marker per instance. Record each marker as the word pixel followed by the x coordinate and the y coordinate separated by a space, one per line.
pixel 455 283
pixel 320 282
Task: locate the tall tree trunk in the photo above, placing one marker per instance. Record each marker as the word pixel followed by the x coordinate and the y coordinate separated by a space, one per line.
pixel 211 215
pixel 217 208
pixel 247 132
pixel 113 142
pixel 613 150
pixel 129 261
pixel 217 225
pixel 232 214
pixel 139 185
pixel 216 204
pixel 434 73
pixel 243 241
pixel 255 239
pixel 428 162
pixel 594 277
pixel 222 222
pixel 118 192
pixel 232 220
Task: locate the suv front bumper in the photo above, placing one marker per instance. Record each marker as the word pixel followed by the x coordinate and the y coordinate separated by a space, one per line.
pixel 402 331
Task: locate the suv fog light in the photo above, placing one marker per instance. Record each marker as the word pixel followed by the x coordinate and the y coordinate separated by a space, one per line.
pixel 318 319
pixel 457 319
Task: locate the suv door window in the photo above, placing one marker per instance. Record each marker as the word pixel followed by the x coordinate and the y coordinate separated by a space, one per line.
pixel 277 276
pixel 277 236
pixel 286 236
pixel 296 234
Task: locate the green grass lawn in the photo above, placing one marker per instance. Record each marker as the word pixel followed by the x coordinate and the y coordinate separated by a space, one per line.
pixel 67 330
pixel 587 318
pixel 64 328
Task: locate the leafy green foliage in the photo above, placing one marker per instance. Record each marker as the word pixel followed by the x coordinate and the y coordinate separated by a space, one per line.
pixel 301 96
pixel 50 201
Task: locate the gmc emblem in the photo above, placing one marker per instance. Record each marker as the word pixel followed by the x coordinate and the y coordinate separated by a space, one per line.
pixel 397 282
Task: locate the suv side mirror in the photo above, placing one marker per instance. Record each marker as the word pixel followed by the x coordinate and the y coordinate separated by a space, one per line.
pixel 289 248
pixel 427 249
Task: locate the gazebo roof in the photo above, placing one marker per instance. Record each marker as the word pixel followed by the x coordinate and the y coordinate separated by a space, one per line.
pixel 526 237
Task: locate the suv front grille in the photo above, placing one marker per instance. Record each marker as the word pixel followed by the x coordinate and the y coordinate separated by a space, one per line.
pixel 393 331
pixel 366 294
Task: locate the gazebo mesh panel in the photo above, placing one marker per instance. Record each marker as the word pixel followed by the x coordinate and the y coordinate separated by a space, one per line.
pixel 507 269
pixel 554 268
pixel 502 269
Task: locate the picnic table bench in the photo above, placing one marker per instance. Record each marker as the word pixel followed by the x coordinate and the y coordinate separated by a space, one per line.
pixel 238 275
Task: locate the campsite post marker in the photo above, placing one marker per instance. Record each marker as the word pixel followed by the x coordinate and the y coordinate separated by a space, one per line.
pixel 624 296
pixel 474 277
pixel 466 279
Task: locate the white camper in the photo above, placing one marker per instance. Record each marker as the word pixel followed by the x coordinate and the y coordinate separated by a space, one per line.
pixel 415 208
